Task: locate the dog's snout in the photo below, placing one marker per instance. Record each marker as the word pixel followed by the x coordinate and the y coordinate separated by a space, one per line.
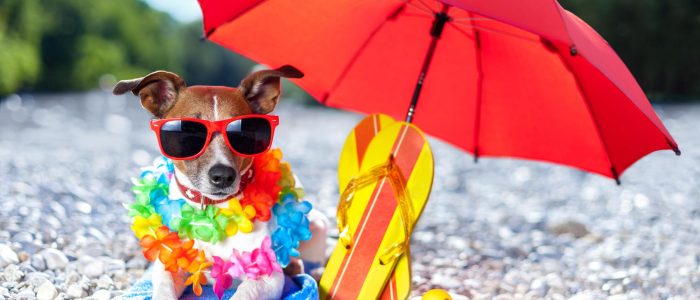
pixel 222 176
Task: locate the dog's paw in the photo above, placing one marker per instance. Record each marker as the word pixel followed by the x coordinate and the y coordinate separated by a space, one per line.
pixel 164 294
pixel 266 287
pixel 295 267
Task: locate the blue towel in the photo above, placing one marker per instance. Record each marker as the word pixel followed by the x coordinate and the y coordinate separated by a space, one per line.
pixel 300 287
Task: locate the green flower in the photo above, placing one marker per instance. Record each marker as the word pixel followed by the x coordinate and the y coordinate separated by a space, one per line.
pixel 207 225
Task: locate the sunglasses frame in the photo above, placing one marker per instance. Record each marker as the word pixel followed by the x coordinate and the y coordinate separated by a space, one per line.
pixel 215 126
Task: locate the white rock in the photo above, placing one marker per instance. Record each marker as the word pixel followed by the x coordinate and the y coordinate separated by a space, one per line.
pixel 25 294
pixel 72 277
pixel 75 291
pixel 104 282
pixel 7 256
pixel 54 258
pixel 12 273
pixel 91 267
pixel 47 291
pixel 102 295
pixel 112 265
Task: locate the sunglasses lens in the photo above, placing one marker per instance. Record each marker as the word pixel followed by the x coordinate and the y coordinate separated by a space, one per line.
pixel 250 136
pixel 182 139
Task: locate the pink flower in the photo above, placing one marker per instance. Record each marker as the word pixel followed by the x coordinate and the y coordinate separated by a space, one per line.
pixel 264 257
pixel 238 265
pixel 220 273
pixel 261 262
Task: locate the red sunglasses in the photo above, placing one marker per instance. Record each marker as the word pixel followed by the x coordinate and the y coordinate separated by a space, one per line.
pixel 187 138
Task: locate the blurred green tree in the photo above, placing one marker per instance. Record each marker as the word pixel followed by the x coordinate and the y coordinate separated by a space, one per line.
pixel 20 34
pixel 658 40
pixel 83 40
pixel 58 45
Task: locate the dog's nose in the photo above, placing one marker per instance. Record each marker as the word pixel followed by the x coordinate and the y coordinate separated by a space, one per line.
pixel 222 176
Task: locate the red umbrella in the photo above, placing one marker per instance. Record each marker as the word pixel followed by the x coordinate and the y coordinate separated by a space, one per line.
pixel 522 78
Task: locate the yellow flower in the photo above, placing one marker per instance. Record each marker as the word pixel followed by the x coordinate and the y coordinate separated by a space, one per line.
pixel 146 226
pixel 239 217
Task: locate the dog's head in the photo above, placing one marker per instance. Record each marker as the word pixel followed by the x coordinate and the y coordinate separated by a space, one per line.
pixel 216 173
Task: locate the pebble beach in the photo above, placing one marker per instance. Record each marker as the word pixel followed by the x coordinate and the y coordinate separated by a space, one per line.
pixel 498 229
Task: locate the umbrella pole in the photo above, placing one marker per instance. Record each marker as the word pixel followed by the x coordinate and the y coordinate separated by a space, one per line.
pixel 439 22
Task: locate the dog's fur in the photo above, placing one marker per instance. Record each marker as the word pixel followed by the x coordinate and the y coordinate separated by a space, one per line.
pixel 166 95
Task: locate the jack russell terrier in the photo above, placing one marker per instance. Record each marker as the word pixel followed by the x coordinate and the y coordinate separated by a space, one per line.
pixel 215 167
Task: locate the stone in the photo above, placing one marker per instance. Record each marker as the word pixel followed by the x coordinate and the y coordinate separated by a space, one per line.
pixel 112 265
pixel 575 228
pixel 539 288
pixel 54 258
pixel 104 282
pixel 7 256
pixel 36 278
pixel 72 277
pixel 23 256
pixel 12 273
pixel 38 262
pixel 91 267
pixel 25 294
pixel 102 295
pixel 46 291
pixel 75 291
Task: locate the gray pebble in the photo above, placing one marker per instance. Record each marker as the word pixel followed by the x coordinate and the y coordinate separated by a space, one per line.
pixel 38 262
pixel 54 258
pixel 75 291
pixel 46 291
pixel 90 267
pixel 575 228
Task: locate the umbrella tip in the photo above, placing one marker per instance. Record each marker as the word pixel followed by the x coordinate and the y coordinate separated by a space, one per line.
pixel 615 175
pixel 677 151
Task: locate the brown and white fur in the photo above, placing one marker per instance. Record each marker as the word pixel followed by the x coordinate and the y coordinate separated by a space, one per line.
pixel 216 172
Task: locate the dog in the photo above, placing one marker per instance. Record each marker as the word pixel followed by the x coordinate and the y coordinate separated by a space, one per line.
pixel 216 173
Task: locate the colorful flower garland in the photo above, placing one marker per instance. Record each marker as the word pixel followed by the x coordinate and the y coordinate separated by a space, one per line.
pixel 167 228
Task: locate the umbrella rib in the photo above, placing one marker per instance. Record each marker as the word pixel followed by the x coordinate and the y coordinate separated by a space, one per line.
pixel 360 50
pixel 669 140
pixel 479 91
pixel 613 171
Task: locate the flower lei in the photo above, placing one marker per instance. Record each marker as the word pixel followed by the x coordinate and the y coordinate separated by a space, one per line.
pixel 168 228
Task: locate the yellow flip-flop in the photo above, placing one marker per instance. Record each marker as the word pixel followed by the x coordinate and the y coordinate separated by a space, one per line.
pixel 378 211
pixel 399 284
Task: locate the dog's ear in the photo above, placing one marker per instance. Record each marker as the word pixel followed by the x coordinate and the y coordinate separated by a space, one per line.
pixel 262 88
pixel 158 90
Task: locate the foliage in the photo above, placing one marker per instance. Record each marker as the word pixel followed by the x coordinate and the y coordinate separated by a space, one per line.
pixel 57 45
pixel 50 45
pixel 658 40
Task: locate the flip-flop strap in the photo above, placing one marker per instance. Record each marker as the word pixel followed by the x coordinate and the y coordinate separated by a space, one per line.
pixel 390 171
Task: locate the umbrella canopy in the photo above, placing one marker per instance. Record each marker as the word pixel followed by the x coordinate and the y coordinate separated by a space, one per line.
pixel 523 79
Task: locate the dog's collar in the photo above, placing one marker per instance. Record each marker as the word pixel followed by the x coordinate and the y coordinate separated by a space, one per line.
pixel 195 196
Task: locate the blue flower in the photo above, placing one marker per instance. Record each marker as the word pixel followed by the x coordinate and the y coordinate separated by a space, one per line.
pixel 292 227
pixel 284 246
pixel 168 209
